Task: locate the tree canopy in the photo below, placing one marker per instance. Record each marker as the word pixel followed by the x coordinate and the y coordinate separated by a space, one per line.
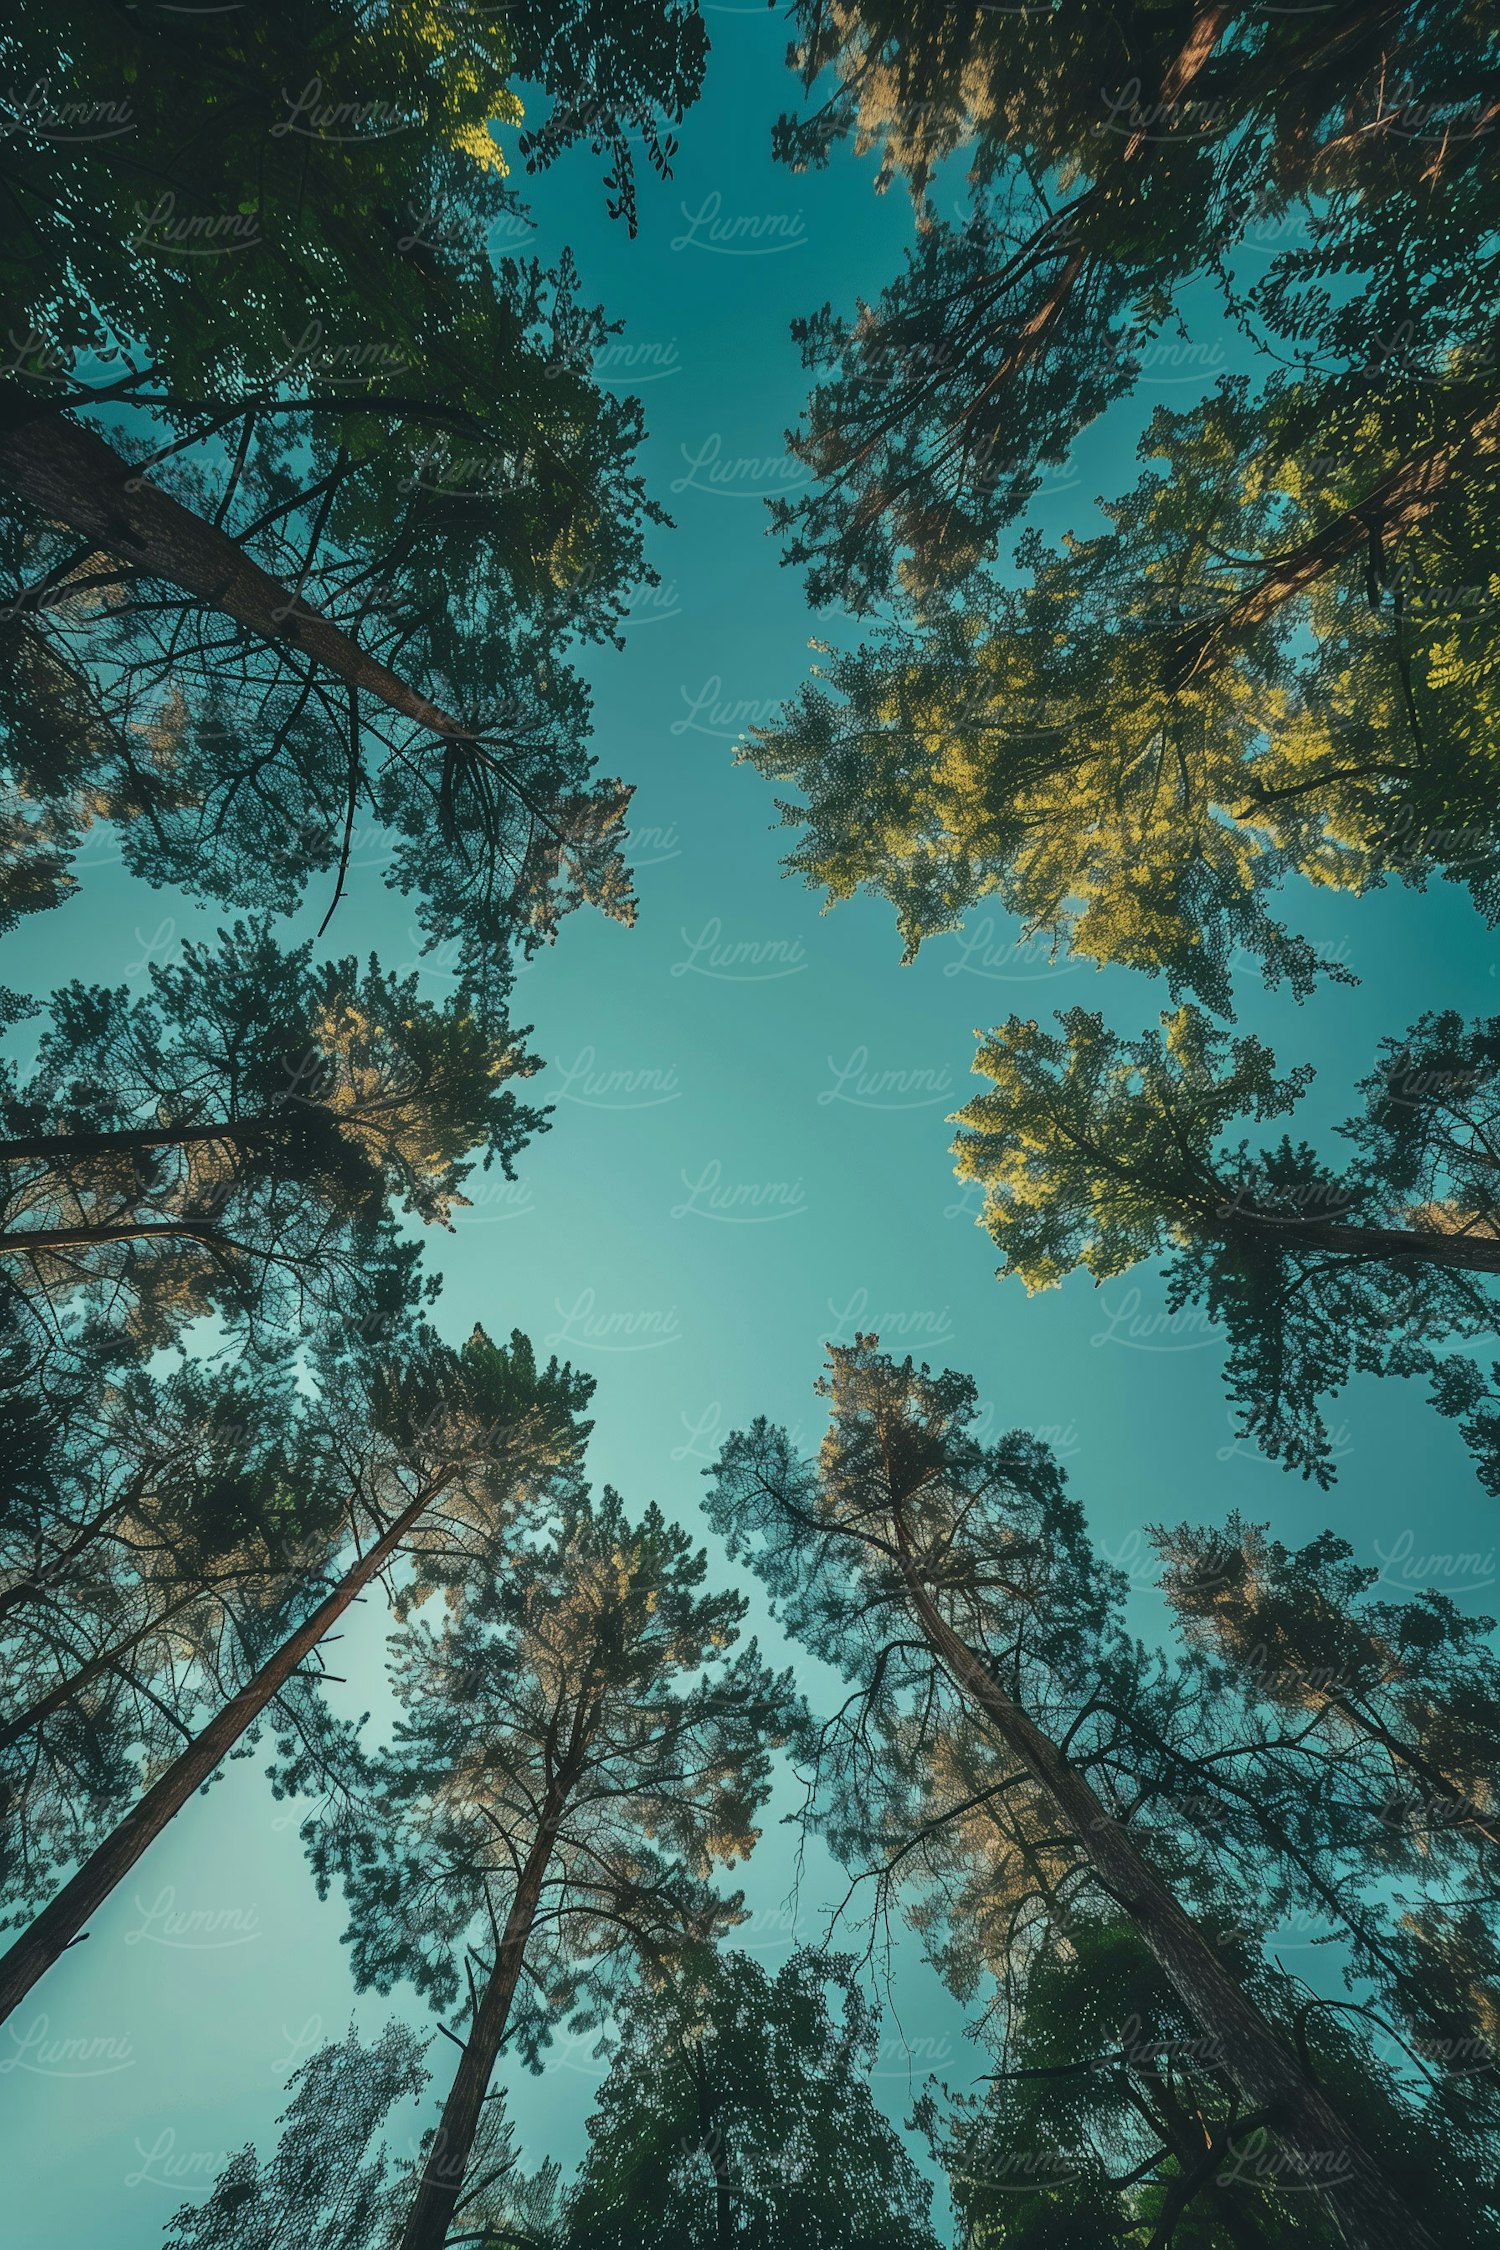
pixel 1096 1151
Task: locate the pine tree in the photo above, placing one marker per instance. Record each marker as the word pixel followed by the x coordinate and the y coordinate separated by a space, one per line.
pixel 1115 155
pixel 1111 2119
pixel 442 1452
pixel 332 2182
pixel 1384 1714
pixel 935 1571
pixel 236 1137
pixel 181 1511
pixel 1276 660
pixel 576 1753
pixel 1098 1152
pixel 251 433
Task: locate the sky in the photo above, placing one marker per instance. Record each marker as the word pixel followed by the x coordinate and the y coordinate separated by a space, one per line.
pixel 749 1157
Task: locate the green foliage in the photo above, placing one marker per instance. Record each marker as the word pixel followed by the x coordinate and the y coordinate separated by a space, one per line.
pixel 1398 1703
pixel 591 1662
pixel 1111 2122
pixel 1249 1814
pixel 180 1515
pixel 1099 1151
pixel 1115 155
pixel 1131 746
pixel 345 387
pixel 323 2183
pixel 737 2109
pixel 239 1136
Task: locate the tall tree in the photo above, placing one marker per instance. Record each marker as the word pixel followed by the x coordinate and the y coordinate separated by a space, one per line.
pixel 1111 2119
pixel 738 2110
pixel 1098 1152
pixel 1416 1681
pixel 234 1137
pixel 254 432
pixel 181 1509
pixel 1115 155
pixel 576 1752
pixel 929 1568
pixel 444 1448
pixel 1399 1702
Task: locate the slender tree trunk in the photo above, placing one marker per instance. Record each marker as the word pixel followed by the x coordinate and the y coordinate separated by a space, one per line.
pixel 1318 2149
pixel 1468 1253
pixel 124 1139
pixel 59 1924
pixel 111 1230
pixel 74 477
pixel 430 2213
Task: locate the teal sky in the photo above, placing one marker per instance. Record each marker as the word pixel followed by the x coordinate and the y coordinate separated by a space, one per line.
pixel 749 1156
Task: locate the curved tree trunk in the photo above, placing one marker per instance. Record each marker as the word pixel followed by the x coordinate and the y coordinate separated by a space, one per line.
pixel 60 1924
pixel 1315 2147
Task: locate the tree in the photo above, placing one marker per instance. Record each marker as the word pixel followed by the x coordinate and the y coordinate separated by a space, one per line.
pixel 235 1137
pixel 1098 1151
pixel 932 1569
pixel 180 1511
pixel 577 1750
pixel 442 1447
pixel 1400 1702
pixel 1111 2120
pixel 1417 1680
pixel 737 2109
pixel 326 2184
pixel 1115 155
pixel 226 622
pixel 1131 746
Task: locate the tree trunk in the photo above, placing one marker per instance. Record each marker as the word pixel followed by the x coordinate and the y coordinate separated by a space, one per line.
pixel 59 1924
pixel 1037 329
pixel 1469 1253
pixel 121 1140
pixel 75 478
pixel 110 1230
pixel 1187 64
pixel 1317 2149
pixel 1389 508
pixel 430 2213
